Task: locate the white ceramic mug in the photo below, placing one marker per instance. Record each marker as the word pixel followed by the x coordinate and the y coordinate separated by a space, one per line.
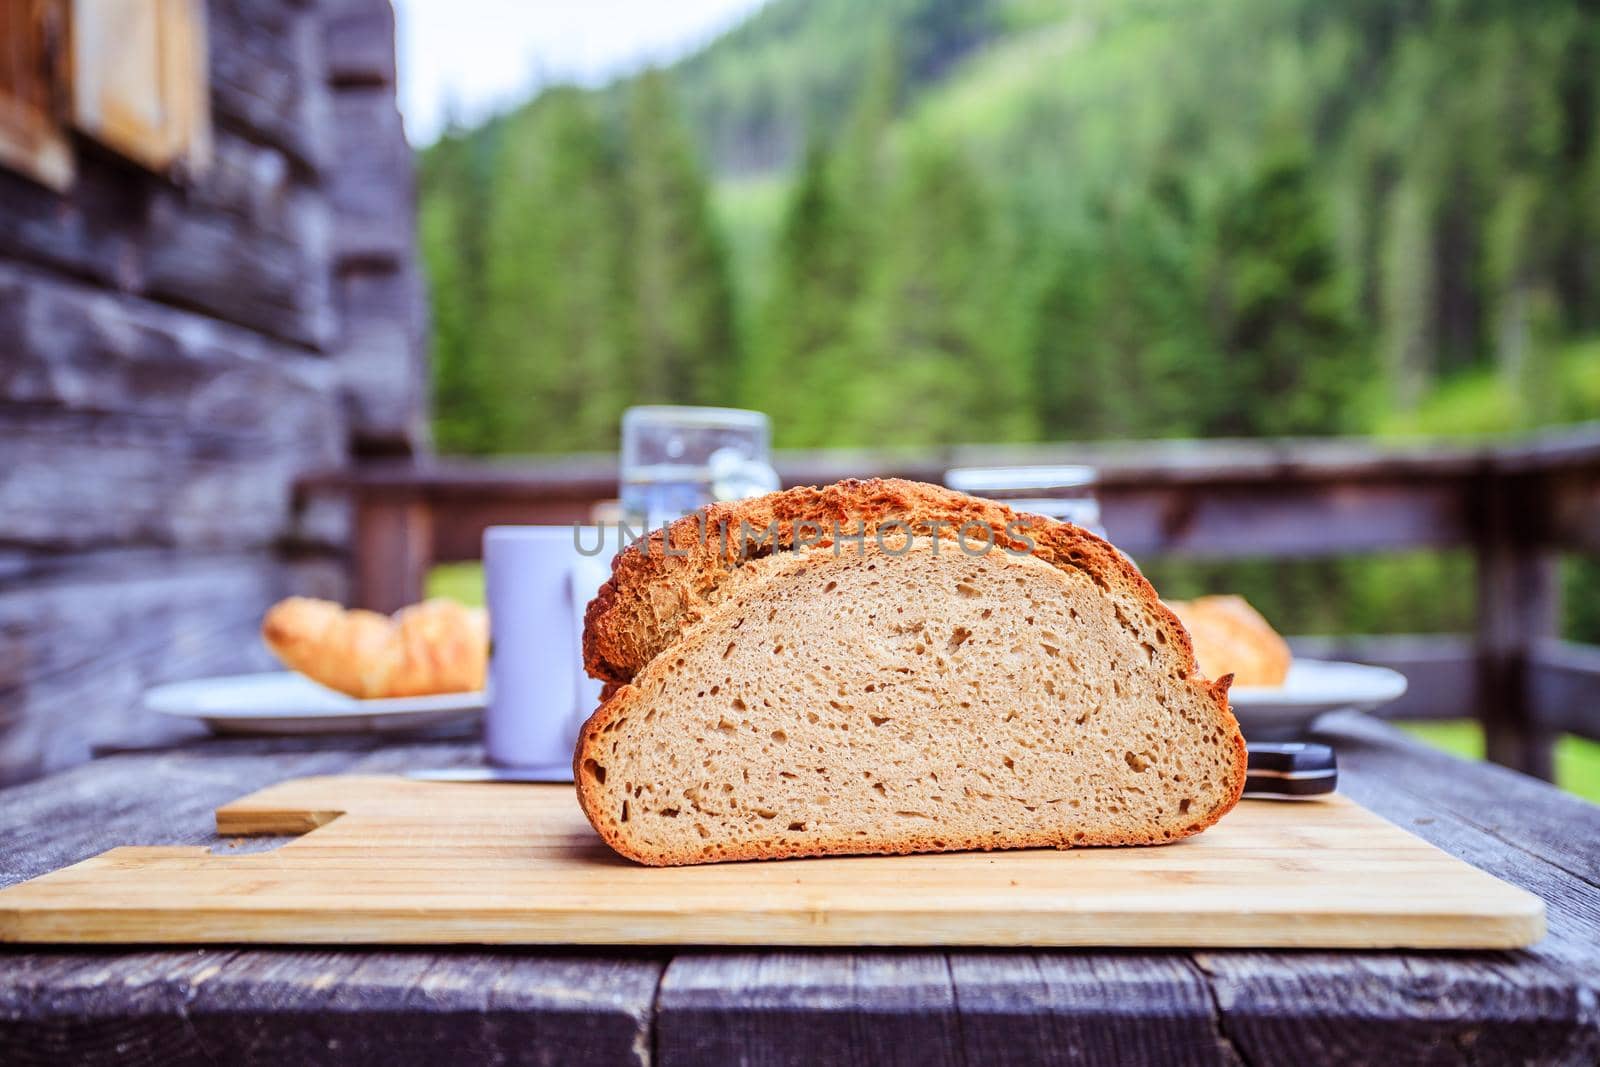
pixel 538 581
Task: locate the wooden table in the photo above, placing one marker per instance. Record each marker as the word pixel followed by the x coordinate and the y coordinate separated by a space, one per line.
pixel 709 1006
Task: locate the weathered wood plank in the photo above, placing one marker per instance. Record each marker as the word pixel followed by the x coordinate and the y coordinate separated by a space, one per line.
pixel 1403 1009
pixel 370 181
pixel 804 1008
pixel 358 41
pixel 1082 1008
pixel 460 535
pixel 149 1026
pixel 1143 464
pixel 380 355
pixel 268 80
pixel 1123 466
pixel 97 234
pixel 127 422
pixel 474 1007
pixel 79 481
pixel 169 796
pixel 251 181
pixel 61 624
pixel 1570 448
pixel 1566 686
pixel 93 638
pixel 328 1007
pixel 372 190
pixel 275 285
pixel 72 345
pixel 249 243
pixel 323 522
pixel 1286 519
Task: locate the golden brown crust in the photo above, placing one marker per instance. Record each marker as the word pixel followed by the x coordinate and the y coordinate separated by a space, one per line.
pixel 655 597
pixel 1231 637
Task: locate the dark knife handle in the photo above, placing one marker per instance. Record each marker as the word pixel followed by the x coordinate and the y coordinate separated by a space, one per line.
pixel 1290 769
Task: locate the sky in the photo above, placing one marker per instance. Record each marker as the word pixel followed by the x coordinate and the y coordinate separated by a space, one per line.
pixel 476 57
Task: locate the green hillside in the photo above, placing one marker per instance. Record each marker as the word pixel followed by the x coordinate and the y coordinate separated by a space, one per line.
pixel 925 221
pixel 753 95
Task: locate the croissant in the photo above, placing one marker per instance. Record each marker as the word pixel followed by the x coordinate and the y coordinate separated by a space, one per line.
pixel 1231 637
pixel 438 646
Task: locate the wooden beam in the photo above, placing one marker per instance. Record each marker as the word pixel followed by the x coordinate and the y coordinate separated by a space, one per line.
pixel 1217 521
pixel 1441 680
pixel 126 421
pixel 1516 606
pixel 1283 517
pixel 358 41
pixel 1207 499
pixel 268 78
pixel 373 189
pixel 381 357
pixel 1572 506
pixel 853 1007
pixel 1566 687
pixel 245 244
pixel 394 551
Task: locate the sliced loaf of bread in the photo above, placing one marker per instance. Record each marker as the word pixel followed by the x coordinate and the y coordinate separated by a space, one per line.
pixel 902 695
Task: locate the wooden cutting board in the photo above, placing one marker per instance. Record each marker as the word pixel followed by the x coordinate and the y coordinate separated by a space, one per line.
pixel 385 860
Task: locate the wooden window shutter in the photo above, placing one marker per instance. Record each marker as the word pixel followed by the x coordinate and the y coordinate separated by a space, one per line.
pixel 32 90
pixel 140 80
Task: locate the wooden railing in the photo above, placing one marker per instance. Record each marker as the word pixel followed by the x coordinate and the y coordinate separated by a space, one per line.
pixel 1514 505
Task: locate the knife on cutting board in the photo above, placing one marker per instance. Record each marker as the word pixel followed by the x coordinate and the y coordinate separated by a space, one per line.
pixel 1290 769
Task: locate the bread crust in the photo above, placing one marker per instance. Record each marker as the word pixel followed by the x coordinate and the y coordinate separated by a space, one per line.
pixel 654 601
pixel 662 586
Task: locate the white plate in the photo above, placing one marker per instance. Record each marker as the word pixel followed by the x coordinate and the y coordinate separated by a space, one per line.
pixel 1313 687
pixel 288 703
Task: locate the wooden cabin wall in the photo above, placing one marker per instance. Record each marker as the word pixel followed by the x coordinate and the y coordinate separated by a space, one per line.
pixel 174 355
